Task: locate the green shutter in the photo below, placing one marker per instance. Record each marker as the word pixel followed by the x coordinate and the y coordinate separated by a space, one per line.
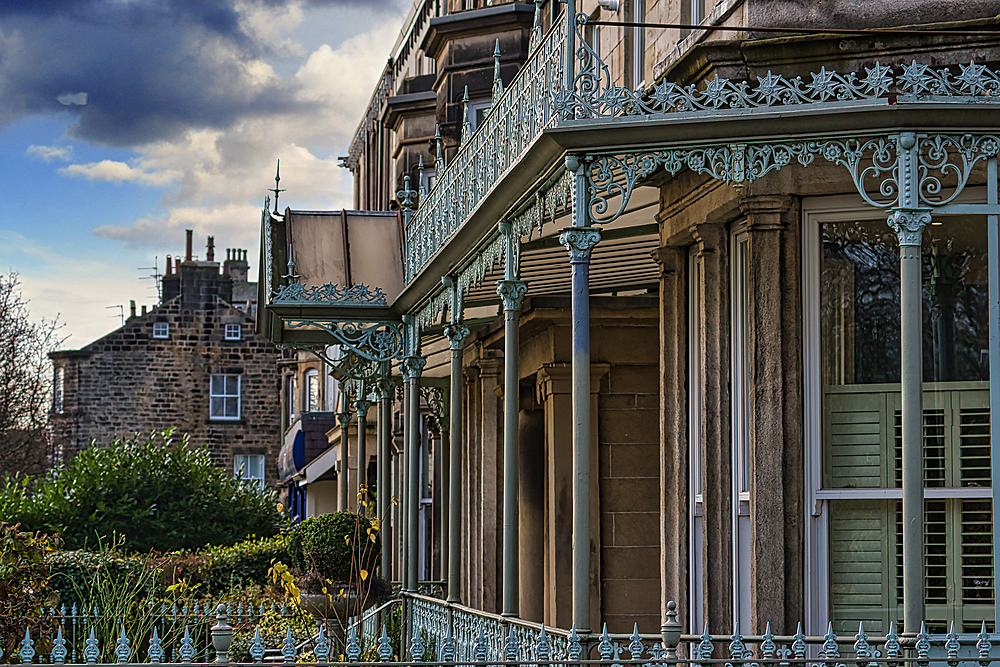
pixel 854 437
pixel 859 551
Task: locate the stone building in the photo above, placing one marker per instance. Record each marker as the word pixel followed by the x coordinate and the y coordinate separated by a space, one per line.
pixel 194 362
pixel 758 385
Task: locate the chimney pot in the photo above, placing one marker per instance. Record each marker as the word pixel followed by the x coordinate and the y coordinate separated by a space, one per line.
pixel 210 252
pixel 131 306
pixel 190 240
pixel 170 265
pixel 143 309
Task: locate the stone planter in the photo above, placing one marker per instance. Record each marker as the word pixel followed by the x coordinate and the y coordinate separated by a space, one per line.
pixel 324 609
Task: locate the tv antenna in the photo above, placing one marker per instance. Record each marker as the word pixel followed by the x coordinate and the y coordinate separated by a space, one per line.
pixel 154 276
pixel 121 312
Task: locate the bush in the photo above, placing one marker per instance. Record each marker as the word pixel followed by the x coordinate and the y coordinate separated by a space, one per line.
pixel 242 564
pixel 24 585
pixel 77 575
pixel 336 546
pixel 156 494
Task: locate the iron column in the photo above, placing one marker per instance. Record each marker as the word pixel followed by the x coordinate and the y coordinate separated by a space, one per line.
pixel 511 291
pixel 456 334
pixel 384 473
pixel 909 220
pixel 344 418
pixel 412 366
pixel 361 405
pixel 579 241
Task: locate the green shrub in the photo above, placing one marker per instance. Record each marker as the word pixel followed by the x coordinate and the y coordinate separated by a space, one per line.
pixel 242 564
pixel 24 586
pixel 153 492
pixel 77 575
pixel 336 546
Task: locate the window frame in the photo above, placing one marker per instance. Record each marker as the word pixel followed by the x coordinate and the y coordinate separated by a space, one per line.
pixel 161 330
pixel 238 328
pixel 212 396
pixel 241 471
pixel 59 391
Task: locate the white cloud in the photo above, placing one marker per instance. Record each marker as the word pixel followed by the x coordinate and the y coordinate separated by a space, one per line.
pixel 50 153
pixel 72 99
pixel 120 172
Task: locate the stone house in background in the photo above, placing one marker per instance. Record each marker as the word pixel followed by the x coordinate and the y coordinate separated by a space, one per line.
pixel 194 362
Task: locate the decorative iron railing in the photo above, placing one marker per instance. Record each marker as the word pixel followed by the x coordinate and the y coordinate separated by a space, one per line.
pixel 516 119
pixel 443 634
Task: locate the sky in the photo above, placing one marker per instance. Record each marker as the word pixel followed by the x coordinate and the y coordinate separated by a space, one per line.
pixel 125 122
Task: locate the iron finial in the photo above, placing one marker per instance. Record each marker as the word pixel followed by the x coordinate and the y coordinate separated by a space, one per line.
pixel 466 125
pixel 420 175
pixel 276 189
pixel 497 81
pixel 439 159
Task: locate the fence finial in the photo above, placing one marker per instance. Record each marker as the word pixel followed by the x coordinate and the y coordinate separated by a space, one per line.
pixel 91 648
pixel 497 81
pixel 384 646
pixel 984 646
pixel 187 644
pixel 353 649
pixel 257 646
pixel 58 655
pixel 322 649
pixel 466 125
pixel 122 649
pixel 543 647
pixel 222 635
pixel 155 650
pixel 27 651
pixel 288 649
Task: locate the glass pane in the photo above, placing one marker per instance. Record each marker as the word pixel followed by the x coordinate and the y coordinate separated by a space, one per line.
pixel 218 385
pixel 232 385
pixel 232 407
pixel 216 407
pixel 256 467
pixel 239 464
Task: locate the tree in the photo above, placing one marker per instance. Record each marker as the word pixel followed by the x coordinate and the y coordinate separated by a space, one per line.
pixel 25 381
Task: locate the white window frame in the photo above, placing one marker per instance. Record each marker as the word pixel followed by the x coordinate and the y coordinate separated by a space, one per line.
pixel 290 394
pixel 161 329
pixel 241 469
pixel 696 401
pixel 817 211
pixel 429 178
pixel 312 376
pixel 212 396
pixel 475 106
pixel 638 45
pixel 234 332
pixel 739 443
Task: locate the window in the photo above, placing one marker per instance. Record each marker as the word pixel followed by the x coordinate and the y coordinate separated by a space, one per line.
pixel 740 383
pixel 290 398
pixel 249 468
pixel 233 332
pixel 852 277
pixel 161 330
pixel 429 179
pixel 224 400
pixel 478 111
pixel 637 44
pixel 700 9
pixel 696 445
pixel 58 390
pixel 312 391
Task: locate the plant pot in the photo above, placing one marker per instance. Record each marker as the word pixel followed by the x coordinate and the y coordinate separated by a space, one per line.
pixel 323 608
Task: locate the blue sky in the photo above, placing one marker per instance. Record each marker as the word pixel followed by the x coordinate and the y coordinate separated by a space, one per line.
pixel 125 122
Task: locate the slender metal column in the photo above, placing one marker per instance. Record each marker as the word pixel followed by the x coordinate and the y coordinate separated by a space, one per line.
pixel 512 291
pixel 993 261
pixel 413 366
pixel 909 220
pixel 456 334
pixel 569 67
pixel 361 405
pixel 579 241
pixel 345 424
pixel 404 494
pixel 385 474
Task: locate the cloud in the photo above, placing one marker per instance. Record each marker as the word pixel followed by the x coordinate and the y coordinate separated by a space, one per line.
pixel 50 153
pixel 72 99
pixel 119 172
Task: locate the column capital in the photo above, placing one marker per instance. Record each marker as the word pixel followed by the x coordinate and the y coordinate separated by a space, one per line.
pixel 764 211
pixel 456 335
pixel 361 406
pixel 579 241
pixel 383 387
pixel 909 223
pixel 670 259
pixel 512 292
pixel 411 367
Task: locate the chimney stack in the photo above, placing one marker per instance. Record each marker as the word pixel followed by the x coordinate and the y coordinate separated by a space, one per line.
pixel 143 309
pixel 190 239
pixel 210 252
pixel 170 265
pixel 131 307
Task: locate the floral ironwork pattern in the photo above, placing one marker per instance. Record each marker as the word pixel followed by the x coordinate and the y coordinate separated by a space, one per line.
pixel 377 342
pixel 331 294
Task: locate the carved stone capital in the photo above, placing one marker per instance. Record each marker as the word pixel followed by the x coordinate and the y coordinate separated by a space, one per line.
pixel 361 406
pixel 580 241
pixel 909 224
pixel 764 211
pixel 411 367
pixel 512 292
pixel 670 259
pixel 456 334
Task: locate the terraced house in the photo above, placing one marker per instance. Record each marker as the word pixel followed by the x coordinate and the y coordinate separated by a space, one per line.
pixel 713 290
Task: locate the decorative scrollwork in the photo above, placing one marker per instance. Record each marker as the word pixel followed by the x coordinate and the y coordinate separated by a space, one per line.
pixel 330 294
pixel 973 80
pixel 377 342
pixel 943 156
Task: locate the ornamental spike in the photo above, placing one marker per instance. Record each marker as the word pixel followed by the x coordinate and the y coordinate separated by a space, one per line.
pixel 155 650
pixel 984 646
pixel 288 648
pixel 510 646
pixel 448 646
pixel 91 648
pixel 635 645
pixel 257 646
pixel 573 648
pixel 767 646
pixel 737 647
pixel 353 649
pixel 186 651
pixel 58 655
pixel 923 641
pixel 604 647
pixel 479 650
pixel 830 649
pixel 27 651
pixel 706 647
pixel 439 155
pixel 861 647
pixel 417 648
pixel 466 125
pixel 420 176
pixel 322 648
pixel 122 650
pixel 543 647
pixel 799 643
pixel 384 646
pixel 497 81
pixel 892 646
pixel 952 646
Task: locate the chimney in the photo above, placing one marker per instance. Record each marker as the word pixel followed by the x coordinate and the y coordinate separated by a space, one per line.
pixel 131 307
pixel 190 239
pixel 210 252
pixel 143 309
pixel 170 265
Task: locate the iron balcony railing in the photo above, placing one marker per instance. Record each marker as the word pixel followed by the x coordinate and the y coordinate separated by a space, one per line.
pixel 517 118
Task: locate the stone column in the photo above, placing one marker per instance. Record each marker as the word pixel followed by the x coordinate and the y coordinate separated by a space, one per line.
pixel 580 240
pixel 674 511
pixel 775 409
pixel 511 292
pixel 456 334
pixel 908 220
